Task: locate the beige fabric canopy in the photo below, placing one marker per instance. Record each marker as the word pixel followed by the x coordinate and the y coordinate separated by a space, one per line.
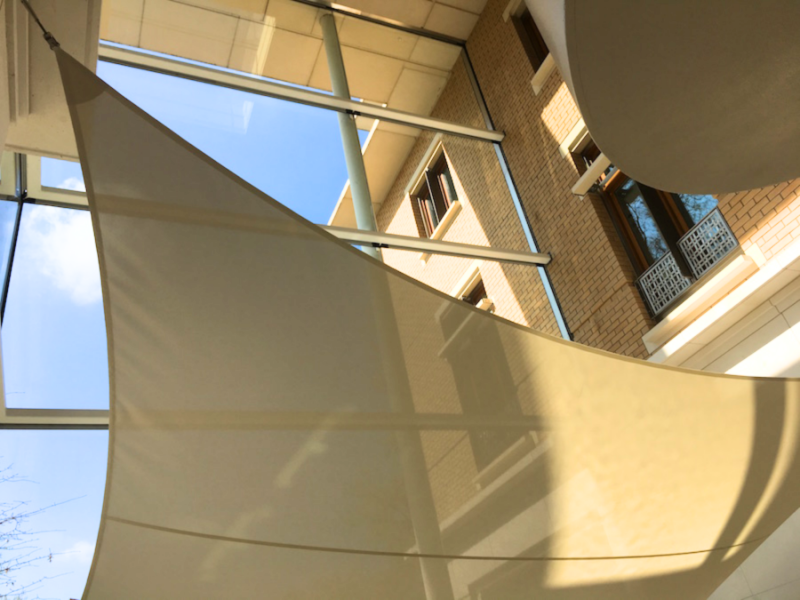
pixel 292 419
pixel 685 96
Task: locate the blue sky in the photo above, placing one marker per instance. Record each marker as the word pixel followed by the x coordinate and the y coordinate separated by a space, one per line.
pixel 53 335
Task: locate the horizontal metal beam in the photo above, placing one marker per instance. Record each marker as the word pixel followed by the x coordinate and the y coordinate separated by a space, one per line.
pixel 262 87
pixel 425 245
pixel 43 418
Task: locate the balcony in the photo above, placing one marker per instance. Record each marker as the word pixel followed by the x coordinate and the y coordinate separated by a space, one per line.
pixel 702 247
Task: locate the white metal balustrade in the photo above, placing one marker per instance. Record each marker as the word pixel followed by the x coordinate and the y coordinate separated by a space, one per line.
pixel 702 247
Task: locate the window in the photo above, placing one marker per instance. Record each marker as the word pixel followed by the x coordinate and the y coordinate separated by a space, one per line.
pixel 478 297
pixel 652 221
pixel 434 197
pixel 531 38
pixel 585 155
pixel 484 387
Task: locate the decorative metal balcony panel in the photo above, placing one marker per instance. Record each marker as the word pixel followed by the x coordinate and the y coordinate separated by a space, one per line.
pixel 662 283
pixel 707 243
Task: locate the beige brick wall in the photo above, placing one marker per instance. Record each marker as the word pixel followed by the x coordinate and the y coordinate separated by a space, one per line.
pixel 768 217
pixel 487 217
pixel 591 274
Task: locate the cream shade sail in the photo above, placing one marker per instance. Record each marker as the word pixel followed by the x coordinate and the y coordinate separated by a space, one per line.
pixel 684 96
pixel 293 419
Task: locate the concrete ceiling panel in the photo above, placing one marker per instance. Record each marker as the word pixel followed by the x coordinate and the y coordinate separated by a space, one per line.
pixel 376 38
pixel 121 21
pixel 251 45
pixel 417 92
pixel 371 77
pixel 291 57
pixel 451 21
pixel 249 9
pixel 408 12
pixel 435 54
pixel 473 6
pixel 188 31
pixel 293 16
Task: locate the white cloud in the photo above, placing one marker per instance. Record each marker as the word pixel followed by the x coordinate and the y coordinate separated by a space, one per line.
pixel 60 242
pixel 80 552
pixel 72 183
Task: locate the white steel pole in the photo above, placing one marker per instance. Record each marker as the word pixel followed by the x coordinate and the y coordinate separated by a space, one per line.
pixel 359 187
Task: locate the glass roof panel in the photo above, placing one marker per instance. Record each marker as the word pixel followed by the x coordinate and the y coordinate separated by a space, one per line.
pixel 290 151
pixel 54 338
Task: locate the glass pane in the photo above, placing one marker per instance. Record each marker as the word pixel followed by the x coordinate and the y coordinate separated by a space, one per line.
pixel 63 472
pixel 54 338
pixel 62 174
pixel 695 206
pixel 290 151
pixel 8 214
pixel 641 221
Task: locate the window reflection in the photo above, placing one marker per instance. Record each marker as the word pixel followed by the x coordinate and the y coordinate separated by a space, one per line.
pixel 641 220
pixel 54 340
pixel 694 207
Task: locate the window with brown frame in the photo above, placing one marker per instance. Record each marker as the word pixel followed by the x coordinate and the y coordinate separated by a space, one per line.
pixel 531 38
pixel 434 197
pixel 650 221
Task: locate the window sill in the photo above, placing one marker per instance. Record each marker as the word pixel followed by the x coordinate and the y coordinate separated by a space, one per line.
pixel 543 73
pixel 593 173
pixel 721 283
pixel 442 227
pixel 513 8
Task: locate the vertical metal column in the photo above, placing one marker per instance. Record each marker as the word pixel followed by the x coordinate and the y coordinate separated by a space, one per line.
pixel 435 571
pixel 359 187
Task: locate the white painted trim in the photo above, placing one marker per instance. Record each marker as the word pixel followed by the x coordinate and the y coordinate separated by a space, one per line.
pixel 593 173
pixel 733 311
pixel 543 73
pixel 574 139
pixel 431 153
pixel 443 226
pixel 467 280
pixel 721 284
pixel 436 246
pixel 39 192
pixel 513 8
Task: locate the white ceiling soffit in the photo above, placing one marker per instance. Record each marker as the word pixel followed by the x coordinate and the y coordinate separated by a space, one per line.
pixel 39 119
pixel 282 39
pixel 385 153
pixel 291 418
pixel 685 96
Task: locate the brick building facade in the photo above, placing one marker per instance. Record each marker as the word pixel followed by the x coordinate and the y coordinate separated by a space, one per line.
pixel 592 275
